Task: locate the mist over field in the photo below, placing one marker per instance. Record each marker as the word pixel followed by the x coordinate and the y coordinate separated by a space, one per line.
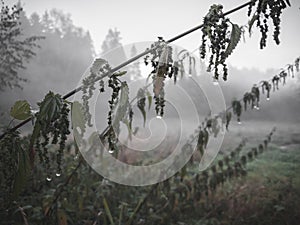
pixel 190 159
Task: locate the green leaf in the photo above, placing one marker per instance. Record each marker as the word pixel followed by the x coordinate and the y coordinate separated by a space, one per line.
pixel 78 119
pixel 158 84
pixel 126 122
pixel 107 210
pixel 141 103
pixel 235 37
pixel 50 107
pixel 123 104
pixel 124 94
pixel 120 73
pixel 20 110
pixel 251 22
pixel 149 99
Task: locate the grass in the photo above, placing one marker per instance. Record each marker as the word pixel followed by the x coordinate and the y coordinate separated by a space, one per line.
pixel 270 194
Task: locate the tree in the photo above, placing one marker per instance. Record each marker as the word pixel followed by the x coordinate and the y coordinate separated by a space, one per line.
pixel 15 50
pixel 112 49
pixel 134 69
pixel 64 54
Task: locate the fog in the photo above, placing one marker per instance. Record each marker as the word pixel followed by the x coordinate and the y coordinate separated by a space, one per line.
pixel 68 51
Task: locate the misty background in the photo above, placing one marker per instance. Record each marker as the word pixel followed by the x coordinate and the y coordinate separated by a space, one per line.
pixel 69 49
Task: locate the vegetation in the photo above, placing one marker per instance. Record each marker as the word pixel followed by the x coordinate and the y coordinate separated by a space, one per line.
pixel 32 194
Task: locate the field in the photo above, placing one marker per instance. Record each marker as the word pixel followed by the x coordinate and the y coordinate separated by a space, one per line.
pixel 268 192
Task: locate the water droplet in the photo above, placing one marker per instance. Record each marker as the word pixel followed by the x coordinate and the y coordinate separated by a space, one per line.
pixel 158 117
pixel 48 179
pixel 34 111
pixel 268 99
pixel 215 82
pixel 111 151
pixel 76 157
pixel 58 174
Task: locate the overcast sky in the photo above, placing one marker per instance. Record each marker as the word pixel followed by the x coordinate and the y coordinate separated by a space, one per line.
pixel 140 20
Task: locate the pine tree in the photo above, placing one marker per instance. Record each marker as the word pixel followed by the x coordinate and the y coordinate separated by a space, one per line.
pixel 134 69
pixel 112 49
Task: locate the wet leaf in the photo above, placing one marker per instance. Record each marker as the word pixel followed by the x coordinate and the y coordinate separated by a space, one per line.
pixel 20 110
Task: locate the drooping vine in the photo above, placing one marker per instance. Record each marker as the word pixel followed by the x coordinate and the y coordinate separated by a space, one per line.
pixel 216 29
pixel 118 107
pixel 163 66
pixel 237 109
pixel 51 127
pixel 297 61
pixel 266 87
pixel 266 10
pixel 275 82
pixel 99 68
pixel 203 138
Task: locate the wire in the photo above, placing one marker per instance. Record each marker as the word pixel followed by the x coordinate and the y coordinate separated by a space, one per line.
pixel 71 93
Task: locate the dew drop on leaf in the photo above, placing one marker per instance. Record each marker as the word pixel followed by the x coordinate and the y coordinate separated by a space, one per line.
pixel 111 151
pixel 58 174
pixel 76 157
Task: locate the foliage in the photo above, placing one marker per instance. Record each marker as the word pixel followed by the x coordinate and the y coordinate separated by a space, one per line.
pixel 15 50
pixel 87 198
pixel 82 195
pixel 215 29
pixel 99 67
pixel 21 110
pixel 162 63
pixel 266 10
pixel 14 168
pixel 51 122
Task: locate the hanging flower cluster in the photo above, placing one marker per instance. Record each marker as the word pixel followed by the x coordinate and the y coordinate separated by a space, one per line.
pixel 265 10
pixel 216 29
pixel 51 127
